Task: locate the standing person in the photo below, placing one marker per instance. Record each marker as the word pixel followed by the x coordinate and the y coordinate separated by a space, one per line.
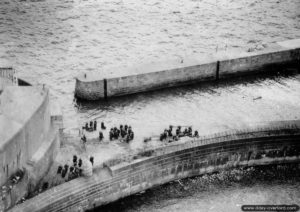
pixel 92 160
pixel 170 132
pixel 102 126
pixel 111 134
pixel 71 174
pixel 118 133
pixel 131 135
pixel 165 134
pixel 75 160
pixel 83 138
pixel 91 125
pixel 123 133
pixel 63 173
pixel 161 137
pixel 66 167
pixel 190 131
pixel 101 136
pixel 76 172
pixel 95 125
pixel 185 132
pixel 65 170
pixel 59 170
pixel 178 130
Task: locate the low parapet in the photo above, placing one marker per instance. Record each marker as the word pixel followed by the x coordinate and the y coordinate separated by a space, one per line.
pixel 123 81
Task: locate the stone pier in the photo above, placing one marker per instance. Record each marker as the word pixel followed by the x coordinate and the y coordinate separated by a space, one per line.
pixel 123 81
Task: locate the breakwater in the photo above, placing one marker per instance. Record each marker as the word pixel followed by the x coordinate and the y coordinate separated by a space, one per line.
pixel 273 143
pixel 190 70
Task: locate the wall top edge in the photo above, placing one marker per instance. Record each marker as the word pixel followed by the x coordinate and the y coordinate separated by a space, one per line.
pixel 290 44
pixel 188 61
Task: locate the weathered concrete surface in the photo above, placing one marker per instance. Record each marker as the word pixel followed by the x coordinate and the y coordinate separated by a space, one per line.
pixel 272 143
pixel 274 57
pixel 93 89
pixel 29 139
pixel 7 77
pixel 56 116
pixel 27 107
pixel 190 73
pixel 190 70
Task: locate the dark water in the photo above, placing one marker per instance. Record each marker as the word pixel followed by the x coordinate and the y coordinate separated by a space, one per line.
pixel 223 191
pixel 53 41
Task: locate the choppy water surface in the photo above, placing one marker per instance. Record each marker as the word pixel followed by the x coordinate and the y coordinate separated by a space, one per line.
pixel 224 191
pixel 53 41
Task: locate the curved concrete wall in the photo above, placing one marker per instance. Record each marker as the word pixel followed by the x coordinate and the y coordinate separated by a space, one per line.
pixel 29 140
pixel 25 138
pixel 278 143
pixel 221 65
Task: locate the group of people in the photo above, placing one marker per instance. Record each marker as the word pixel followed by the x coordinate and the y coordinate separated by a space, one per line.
pixel 72 171
pixel 124 132
pixel 168 133
pixel 93 126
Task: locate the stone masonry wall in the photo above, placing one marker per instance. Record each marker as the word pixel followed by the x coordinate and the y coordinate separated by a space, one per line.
pixel 32 149
pixel 248 147
pixel 26 141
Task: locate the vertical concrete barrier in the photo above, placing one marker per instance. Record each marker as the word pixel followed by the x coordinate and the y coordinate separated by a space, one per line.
pixel 218 70
pixel 119 86
pixel 105 88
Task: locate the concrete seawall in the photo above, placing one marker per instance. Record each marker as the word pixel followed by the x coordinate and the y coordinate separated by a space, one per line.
pixel 191 70
pixel 274 143
pixel 20 143
pixel 29 140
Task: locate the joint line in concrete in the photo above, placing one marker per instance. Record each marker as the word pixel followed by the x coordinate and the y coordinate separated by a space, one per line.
pixel 105 88
pixel 217 70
